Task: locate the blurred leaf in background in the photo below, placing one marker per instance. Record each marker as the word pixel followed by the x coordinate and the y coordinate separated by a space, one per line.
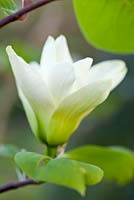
pixel 8 151
pixel 7 7
pixel 108 25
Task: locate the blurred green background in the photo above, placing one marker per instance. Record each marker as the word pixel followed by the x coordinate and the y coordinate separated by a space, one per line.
pixel 110 124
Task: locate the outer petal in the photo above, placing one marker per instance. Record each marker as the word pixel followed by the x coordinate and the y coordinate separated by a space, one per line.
pixel 113 69
pixel 29 112
pixel 62 50
pixel 81 69
pixel 48 56
pixel 59 80
pixel 32 86
pixel 37 120
pixel 74 108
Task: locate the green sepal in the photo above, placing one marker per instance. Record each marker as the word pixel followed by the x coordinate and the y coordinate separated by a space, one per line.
pixel 70 173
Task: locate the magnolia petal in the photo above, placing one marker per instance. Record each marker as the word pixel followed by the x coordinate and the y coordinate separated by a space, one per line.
pixel 81 69
pixel 48 56
pixel 74 108
pixel 60 78
pixel 31 83
pixel 29 111
pixel 34 65
pixel 37 121
pixel 62 50
pixel 113 69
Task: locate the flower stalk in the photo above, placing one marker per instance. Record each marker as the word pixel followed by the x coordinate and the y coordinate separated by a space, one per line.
pixel 51 151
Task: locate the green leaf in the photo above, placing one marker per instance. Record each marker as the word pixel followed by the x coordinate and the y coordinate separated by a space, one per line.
pixel 116 162
pixel 72 174
pixel 7 7
pixel 8 150
pixel 108 25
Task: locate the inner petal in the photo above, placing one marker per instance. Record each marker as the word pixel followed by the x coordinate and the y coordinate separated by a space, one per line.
pixel 112 69
pixel 62 50
pixel 81 69
pixel 60 78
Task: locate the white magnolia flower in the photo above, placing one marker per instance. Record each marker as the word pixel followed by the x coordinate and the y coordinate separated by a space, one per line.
pixel 58 93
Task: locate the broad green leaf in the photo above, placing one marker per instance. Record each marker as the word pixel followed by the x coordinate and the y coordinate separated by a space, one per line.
pixel 116 162
pixel 107 24
pixel 8 150
pixel 7 7
pixel 72 174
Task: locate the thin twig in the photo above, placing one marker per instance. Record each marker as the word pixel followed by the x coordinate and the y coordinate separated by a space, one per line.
pixel 16 185
pixel 16 15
